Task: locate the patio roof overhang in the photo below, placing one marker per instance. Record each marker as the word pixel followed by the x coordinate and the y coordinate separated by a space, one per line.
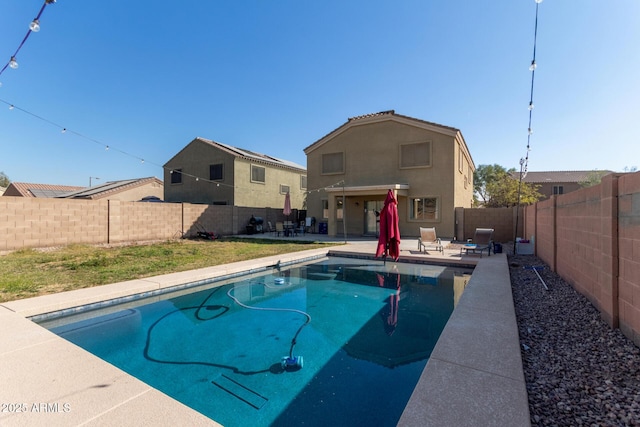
pixel 370 190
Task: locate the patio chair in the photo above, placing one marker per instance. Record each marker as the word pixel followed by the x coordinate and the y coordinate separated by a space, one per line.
pixel 270 228
pixel 279 228
pixel 429 239
pixel 482 239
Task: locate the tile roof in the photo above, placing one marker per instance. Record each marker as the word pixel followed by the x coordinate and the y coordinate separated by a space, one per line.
pixel 382 114
pixel 25 189
pixel 558 176
pixel 393 113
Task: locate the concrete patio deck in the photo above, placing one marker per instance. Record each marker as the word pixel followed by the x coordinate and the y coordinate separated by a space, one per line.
pixel 474 376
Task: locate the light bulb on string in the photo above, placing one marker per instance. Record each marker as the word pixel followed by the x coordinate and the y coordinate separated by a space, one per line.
pixel 63 130
pixel 11 107
pixel 34 26
pixel 531 106
pixel 530 131
pixel 106 148
pixel 533 65
pixel 13 63
pixel 142 161
pixel 538 1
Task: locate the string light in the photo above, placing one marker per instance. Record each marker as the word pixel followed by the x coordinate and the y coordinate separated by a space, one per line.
pixel 66 130
pixel 524 162
pixel 34 27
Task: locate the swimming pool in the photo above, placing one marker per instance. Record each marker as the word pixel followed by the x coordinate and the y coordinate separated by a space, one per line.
pixel 355 336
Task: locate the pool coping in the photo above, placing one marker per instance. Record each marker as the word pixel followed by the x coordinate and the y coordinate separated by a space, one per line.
pixel 474 375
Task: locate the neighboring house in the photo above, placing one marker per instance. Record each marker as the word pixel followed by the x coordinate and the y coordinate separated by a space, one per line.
pixel 24 189
pixel 552 183
pixel 128 190
pixel 428 166
pixel 210 172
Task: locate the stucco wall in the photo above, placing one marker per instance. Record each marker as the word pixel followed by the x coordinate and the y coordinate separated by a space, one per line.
pixel 372 158
pixel 236 189
pixel 267 194
pixel 194 161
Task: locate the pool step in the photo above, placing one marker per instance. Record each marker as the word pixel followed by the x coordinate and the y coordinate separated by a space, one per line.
pixel 241 392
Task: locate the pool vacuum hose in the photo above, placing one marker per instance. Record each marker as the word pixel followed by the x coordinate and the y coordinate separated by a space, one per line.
pixel 288 363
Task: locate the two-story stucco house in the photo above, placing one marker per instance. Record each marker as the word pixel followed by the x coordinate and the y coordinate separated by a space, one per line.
pixel 210 172
pixel 553 183
pixel 428 166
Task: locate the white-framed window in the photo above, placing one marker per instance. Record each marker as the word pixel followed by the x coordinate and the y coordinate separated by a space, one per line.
pixel 424 208
pixel 257 174
pixel 415 155
pixel 303 182
pixel 325 209
pixel 284 189
pixel 558 189
pixel 332 163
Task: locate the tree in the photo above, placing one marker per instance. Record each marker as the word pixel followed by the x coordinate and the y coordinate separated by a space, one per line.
pixel 497 187
pixel 483 177
pixel 4 180
pixel 593 178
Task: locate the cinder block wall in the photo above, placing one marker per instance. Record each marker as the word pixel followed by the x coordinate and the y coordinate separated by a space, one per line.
pixel 31 222
pixel 591 237
pixel 502 220
pixel 629 255
pixel 134 221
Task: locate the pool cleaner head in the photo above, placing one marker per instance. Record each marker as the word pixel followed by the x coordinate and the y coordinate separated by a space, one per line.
pixel 292 363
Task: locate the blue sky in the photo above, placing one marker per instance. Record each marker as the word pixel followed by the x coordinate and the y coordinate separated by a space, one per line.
pixel 146 77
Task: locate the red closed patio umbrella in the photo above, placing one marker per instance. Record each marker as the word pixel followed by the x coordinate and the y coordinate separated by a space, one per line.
pixel 389 239
pixel 287 205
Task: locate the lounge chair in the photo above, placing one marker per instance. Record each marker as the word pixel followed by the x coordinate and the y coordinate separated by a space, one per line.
pixel 429 239
pixel 482 239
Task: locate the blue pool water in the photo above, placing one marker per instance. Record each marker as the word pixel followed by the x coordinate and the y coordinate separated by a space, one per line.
pixel 362 331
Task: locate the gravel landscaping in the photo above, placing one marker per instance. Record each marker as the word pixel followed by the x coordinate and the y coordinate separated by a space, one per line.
pixel 578 371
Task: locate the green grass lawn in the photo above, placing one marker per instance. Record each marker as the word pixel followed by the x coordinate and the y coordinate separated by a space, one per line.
pixel 30 272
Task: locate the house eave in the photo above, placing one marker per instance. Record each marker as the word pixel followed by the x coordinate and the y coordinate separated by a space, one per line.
pixel 370 190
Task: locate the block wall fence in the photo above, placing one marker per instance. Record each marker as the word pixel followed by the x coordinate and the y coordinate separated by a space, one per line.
pixel 591 238
pixel 34 223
